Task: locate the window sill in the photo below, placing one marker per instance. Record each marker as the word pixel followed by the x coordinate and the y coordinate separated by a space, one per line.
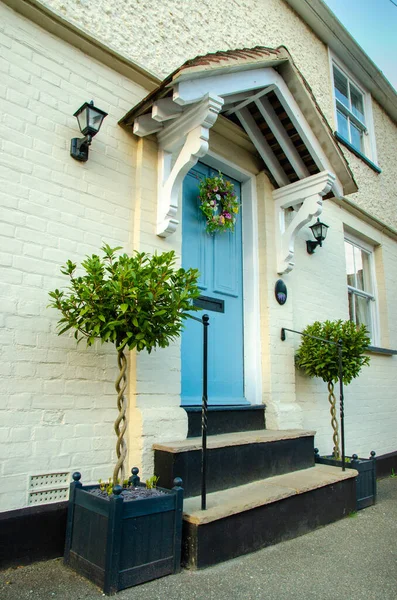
pixel 359 154
pixel 385 351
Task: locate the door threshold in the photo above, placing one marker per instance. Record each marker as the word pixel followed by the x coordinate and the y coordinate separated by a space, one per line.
pixel 224 407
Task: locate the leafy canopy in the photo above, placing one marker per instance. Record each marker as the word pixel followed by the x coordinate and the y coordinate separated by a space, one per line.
pixel 319 359
pixel 133 301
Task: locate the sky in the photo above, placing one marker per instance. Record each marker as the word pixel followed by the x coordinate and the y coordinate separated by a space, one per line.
pixel 373 24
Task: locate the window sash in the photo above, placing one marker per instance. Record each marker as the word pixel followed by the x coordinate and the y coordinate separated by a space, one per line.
pixel 358 292
pixel 348 113
pixel 362 302
pixel 350 110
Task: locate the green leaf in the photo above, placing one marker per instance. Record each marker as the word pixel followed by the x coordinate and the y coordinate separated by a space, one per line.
pixel 139 299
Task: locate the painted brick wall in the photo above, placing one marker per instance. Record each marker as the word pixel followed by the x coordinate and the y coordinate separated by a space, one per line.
pixel 57 401
pixel 319 293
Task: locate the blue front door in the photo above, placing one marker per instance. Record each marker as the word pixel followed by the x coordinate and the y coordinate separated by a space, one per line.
pixel 219 260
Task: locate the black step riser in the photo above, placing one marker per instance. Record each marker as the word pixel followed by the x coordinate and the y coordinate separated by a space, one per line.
pixel 209 544
pixel 231 466
pixel 226 420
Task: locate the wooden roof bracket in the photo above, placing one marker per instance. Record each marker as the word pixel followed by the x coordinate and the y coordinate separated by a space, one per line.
pixel 182 142
pixel 308 193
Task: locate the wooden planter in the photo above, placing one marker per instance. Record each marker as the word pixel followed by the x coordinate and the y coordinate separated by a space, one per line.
pixel 366 479
pixel 118 544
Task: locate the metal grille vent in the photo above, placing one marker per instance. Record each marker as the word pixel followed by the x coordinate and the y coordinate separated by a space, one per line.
pixel 51 487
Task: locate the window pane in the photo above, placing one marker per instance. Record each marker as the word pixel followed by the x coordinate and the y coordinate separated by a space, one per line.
pixel 367 284
pixel 362 270
pixel 363 312
pixel 356 137
pixel 343 125
pixel 352 312
pixel 350 272
pixel 341 91
pixel 357 107
pixel 358 263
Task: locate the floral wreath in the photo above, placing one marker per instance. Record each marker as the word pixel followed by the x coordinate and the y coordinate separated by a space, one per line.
pixel 219 204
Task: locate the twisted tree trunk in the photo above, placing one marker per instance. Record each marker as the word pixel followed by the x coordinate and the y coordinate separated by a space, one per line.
pixel 120 424
pixel 334 422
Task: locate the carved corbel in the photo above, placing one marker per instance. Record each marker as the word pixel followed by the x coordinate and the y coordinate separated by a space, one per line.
pixel 306 196
pixel 181 143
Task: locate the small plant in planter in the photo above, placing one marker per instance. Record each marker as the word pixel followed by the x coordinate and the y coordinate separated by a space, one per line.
pixel 317 358
pixel 138 303
pixel 320 359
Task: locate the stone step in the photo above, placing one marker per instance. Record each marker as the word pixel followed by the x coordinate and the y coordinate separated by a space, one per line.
pixel 252 516
pixel 234 458
pixel 226 419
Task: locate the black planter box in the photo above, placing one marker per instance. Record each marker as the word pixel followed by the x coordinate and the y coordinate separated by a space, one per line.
pixel 118 544
pixel 366 479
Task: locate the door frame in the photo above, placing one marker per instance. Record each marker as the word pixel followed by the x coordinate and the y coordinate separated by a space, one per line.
pixel 250 247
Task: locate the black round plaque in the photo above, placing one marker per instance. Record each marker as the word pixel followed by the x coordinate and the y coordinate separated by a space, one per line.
pixel 280 291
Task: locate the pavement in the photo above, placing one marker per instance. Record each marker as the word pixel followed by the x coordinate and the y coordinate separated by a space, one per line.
pixel 353 559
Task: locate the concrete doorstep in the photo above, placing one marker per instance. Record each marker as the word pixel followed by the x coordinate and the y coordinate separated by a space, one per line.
pixel 352 559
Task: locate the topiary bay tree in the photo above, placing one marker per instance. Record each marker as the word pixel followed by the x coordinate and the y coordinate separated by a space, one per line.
pixel 136 302
pixel 318 358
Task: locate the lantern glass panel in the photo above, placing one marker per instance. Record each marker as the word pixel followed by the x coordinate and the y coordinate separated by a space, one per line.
pixel 82 118
pixel 95 119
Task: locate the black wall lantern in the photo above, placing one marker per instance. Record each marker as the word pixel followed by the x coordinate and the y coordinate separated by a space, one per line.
pixel 90 120
pixel 319 231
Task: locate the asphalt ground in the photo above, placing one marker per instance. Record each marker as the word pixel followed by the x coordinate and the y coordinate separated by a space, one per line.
pixel 353 559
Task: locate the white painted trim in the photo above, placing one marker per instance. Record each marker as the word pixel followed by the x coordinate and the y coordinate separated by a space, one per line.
pixel 251 302
pixel 190 91
pixel 309 194
pixel 252 98
pixel 145 125
pixel 165 109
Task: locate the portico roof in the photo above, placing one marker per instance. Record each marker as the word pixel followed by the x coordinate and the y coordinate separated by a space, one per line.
pixel 258 107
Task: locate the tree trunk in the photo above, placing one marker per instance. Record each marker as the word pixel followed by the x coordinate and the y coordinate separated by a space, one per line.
pixel 120 424
pixel 334 422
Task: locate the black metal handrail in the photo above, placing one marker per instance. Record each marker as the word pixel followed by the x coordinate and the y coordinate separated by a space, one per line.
pixel 339 344
pixel 205 321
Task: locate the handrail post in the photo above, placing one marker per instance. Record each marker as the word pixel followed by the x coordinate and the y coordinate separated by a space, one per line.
pixel 204 410
pixel 341 399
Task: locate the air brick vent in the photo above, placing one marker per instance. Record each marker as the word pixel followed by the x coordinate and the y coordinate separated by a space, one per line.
pixel 51 487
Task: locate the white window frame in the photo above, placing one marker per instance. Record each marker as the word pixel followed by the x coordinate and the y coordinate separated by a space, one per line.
pixel 374 314
pixel 369 149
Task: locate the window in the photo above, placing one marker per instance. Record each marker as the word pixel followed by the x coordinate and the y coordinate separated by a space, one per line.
pixel 353 115
pixel 361 285
pixel 350 114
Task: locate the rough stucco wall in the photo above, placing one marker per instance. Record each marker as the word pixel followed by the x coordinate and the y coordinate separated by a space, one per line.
pixel 377 192
pixel 58 403
pixel 161 36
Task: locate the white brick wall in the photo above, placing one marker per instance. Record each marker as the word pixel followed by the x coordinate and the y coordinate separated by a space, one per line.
pixel 320 292
pixel 57 404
